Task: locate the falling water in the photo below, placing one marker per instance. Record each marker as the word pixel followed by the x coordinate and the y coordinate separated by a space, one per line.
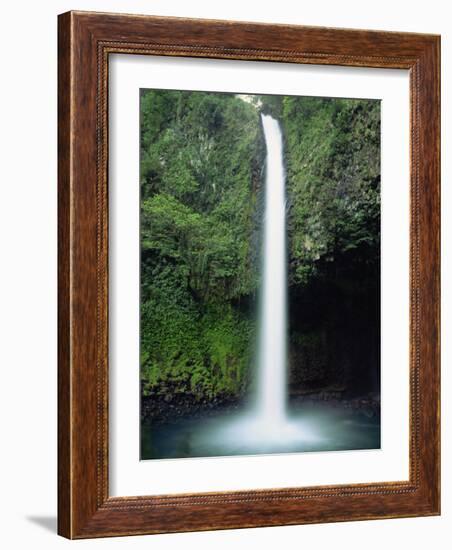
pixel 271 375
pixel 267 426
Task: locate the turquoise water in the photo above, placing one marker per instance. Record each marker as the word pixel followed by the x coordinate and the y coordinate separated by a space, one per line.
pixel 309 428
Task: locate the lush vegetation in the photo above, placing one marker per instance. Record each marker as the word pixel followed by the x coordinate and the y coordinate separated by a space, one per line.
pixel 202 157
pixel 202 168
pixel 333 186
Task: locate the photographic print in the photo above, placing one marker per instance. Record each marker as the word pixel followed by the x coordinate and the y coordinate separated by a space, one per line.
pixel 260 274
pixel 229 262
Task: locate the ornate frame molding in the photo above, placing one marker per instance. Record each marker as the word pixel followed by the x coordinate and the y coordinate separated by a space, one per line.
pixel 85 42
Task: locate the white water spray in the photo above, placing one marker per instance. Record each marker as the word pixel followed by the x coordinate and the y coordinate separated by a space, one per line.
pixel 271 374
pixel 267 426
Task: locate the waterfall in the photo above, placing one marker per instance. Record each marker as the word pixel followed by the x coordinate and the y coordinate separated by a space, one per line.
pixel 271 368
pixel 267 426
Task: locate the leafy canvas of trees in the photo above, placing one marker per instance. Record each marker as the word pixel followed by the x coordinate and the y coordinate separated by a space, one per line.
pixel 202 177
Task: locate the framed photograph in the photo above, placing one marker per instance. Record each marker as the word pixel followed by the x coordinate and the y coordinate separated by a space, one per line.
pixel 248 275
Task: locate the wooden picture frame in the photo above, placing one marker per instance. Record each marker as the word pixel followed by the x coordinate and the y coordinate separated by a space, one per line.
pixel 85 42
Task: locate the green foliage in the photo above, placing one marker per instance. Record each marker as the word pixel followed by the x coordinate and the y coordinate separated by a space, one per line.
pixel 333 168
pixel 202 166
pixel 201 158
pixel 332 149
pixel 205 351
